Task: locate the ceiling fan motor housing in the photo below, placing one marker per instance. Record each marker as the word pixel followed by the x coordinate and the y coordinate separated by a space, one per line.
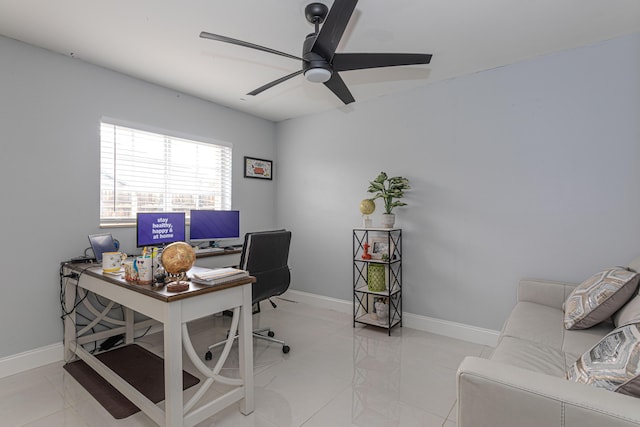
pixel 313 63
pixel 316 12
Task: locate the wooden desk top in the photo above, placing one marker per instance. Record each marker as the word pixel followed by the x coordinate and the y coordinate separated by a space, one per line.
pixel 157 292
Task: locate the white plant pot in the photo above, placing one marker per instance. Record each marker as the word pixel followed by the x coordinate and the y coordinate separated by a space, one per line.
pixel 388 220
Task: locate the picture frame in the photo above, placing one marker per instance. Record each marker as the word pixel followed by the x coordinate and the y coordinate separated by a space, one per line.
pixel 380 246
pixel 258 168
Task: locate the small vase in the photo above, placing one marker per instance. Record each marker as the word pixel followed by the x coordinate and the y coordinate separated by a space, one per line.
pixel 388 220
pixel 365 253
pixel 382 310
pixel 375 278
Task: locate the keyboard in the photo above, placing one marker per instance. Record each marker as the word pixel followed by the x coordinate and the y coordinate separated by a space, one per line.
pixel 208 250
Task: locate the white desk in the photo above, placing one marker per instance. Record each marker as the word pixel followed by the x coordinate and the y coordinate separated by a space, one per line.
pixel 173 310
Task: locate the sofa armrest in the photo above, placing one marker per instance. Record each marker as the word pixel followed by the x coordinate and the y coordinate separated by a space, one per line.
pixel 545 292
pixel 492 394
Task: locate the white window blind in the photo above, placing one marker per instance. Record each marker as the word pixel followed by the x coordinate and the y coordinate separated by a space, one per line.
pixel 149 172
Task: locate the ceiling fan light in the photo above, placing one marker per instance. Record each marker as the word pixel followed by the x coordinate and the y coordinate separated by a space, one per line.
pixel 317 75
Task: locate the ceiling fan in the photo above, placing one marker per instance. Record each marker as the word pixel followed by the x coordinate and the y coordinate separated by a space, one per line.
pixel 320 62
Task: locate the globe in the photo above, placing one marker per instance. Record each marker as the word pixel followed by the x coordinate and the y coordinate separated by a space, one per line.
pixel 178 258
pixel 367 206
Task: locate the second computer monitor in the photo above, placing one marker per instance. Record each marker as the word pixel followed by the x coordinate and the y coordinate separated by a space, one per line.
pixel 208 225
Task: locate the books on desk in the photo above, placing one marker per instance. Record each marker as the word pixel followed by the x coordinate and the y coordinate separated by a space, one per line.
pixel 217 276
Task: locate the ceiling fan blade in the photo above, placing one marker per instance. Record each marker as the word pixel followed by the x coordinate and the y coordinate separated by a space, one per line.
pixel 360 61
pixel 337 86
pixel 273 83
pixel 225 39
pixel 333 28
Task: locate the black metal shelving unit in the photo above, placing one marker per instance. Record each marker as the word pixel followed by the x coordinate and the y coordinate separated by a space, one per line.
pixel 385 247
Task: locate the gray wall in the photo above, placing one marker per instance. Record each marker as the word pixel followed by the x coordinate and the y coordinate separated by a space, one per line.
pixel 50 109
pixel 526 170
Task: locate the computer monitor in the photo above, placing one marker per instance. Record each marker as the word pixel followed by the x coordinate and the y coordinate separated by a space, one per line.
pixel 159 228
pixel 208 225
pixel 101 243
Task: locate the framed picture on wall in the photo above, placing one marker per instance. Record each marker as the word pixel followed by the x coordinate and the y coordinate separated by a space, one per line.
pixel 258 168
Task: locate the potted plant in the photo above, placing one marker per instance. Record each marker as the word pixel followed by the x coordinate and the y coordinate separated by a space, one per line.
pixel 390 190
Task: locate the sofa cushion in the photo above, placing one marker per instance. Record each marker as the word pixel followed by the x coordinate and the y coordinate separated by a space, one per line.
pixel 541 326
pixel 635 265
pixel 577 341
pixel 613 363
pixel 536 322
pixel 531 355
pixel 629 313
pixel 599 297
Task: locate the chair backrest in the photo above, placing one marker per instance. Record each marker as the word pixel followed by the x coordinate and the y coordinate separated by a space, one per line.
pixel 265 255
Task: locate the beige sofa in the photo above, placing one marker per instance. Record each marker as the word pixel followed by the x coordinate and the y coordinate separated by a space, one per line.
pixel 523 382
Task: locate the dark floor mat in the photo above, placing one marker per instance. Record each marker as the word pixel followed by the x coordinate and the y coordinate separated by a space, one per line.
pixel 137 366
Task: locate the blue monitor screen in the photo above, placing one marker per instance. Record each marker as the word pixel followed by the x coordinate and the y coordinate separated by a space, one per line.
pixel 159 228
pixel 214 225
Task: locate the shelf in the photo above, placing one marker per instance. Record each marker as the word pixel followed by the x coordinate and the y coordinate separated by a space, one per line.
pixel 365 290
pixel 365 271
pixel 366 318
pixel 376 261
pixel 377 229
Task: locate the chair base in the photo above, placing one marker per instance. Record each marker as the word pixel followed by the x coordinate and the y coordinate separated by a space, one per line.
pixel 257 333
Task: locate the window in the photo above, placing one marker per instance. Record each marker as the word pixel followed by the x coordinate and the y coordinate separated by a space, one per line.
pixel 143 171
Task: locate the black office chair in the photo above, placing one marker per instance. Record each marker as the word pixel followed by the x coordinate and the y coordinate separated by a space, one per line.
pixel 265 256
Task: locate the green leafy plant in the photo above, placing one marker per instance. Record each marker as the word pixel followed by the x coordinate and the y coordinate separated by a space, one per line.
pixel 390 190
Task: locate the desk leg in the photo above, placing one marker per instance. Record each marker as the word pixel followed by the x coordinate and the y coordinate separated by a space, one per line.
pixel 245 350
pixel 173 366
pixel 69 320
pixel 129 325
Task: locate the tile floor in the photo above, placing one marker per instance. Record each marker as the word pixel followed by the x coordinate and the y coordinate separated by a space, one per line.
pixel 335 375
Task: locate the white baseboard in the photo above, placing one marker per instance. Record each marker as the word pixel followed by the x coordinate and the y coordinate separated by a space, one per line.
pixel 451 329
pixel 447 328
pixel 319 301
pixel 31 359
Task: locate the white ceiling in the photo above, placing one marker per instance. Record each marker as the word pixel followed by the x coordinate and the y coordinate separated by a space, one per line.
pixel 158 41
